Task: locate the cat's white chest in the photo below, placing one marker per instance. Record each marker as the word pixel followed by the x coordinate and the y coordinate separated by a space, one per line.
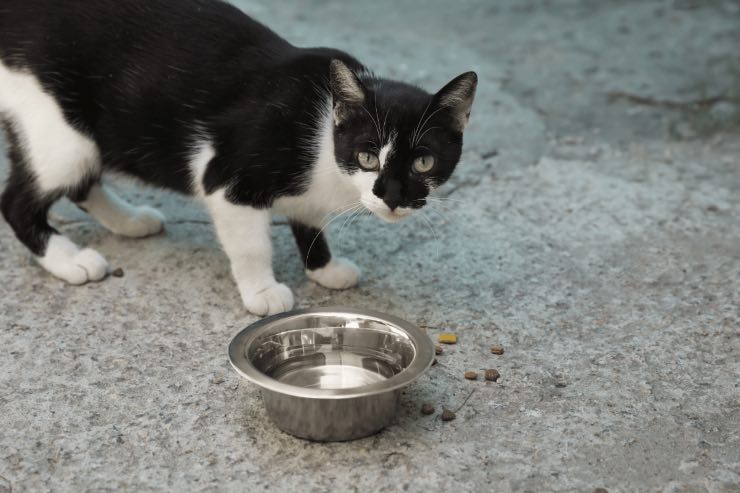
pixel 329 190
pixel 328 193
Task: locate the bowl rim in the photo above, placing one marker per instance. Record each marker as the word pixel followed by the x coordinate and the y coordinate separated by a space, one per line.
pixel 423 357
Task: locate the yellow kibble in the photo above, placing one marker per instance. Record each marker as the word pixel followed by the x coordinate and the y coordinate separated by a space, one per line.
pixel 447 338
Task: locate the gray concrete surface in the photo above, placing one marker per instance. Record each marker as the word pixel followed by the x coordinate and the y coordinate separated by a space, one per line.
pixel 593 230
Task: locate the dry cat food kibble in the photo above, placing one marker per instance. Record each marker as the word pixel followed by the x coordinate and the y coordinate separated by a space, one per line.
pixel 492 375
pixel 448 415
pixel 437 349
pixel 497 349
pixel 471 375
pixel 427 409
pixel 447 338
pixel 117 273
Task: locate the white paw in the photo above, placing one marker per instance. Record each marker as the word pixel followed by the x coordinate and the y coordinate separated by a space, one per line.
pixel 143 221
pixel 339 273
pixel 66 261
pixel 277 298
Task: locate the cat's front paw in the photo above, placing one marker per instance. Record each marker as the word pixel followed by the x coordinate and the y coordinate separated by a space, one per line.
pixel 274 299
pixel 339 273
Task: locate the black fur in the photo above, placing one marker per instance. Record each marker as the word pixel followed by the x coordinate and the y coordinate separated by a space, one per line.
pixel 146 78
pixel 312 246
pixel 22 208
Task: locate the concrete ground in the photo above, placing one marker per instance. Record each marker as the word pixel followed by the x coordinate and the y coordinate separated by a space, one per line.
pixel 593 230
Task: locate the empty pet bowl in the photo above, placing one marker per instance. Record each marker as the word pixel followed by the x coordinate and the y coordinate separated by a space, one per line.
pixel 331 374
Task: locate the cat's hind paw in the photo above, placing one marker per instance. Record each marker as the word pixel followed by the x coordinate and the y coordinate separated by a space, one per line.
pixel 143 221
pixel 339 273
pixel 277 298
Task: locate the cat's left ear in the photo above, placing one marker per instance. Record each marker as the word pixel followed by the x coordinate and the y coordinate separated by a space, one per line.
pixel 346 90
pixel 458 96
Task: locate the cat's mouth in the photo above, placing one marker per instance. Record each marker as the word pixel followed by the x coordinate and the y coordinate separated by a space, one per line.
pixel 380 209
pixel 392 216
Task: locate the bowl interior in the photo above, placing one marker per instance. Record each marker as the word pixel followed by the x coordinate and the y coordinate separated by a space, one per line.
pixel 331 352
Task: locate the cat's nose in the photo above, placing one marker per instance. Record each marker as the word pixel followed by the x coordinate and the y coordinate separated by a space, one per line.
pixel 392 196
pixel 392 203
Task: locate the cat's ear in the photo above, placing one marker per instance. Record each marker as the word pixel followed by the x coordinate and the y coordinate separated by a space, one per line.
pixel 346 90
pixel 458 97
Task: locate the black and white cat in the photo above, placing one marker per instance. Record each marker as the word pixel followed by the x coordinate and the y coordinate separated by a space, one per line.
pixel 195 96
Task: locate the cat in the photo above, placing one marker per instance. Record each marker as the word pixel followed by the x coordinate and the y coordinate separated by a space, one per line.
pixel 197 97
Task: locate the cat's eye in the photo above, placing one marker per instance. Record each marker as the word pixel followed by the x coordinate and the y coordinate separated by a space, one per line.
pixel 368 161
pixel 423 164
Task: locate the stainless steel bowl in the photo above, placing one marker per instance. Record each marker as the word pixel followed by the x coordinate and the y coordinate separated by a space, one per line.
pixel 331 374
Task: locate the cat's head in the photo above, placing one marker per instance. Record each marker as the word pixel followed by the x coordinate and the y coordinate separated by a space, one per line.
pixel 397 142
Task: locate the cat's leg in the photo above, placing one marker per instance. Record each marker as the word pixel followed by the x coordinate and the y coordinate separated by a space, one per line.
pixel 244 233
pixel 48 159
pixel 332 273
pixel 119 216
pixel 25 209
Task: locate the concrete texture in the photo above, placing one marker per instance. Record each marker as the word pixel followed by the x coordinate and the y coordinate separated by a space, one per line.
pixel 593 230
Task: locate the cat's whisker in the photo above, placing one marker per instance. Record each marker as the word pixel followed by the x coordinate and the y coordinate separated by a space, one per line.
pixel 348 218
pixel 416 128
pixel 362 212
pixel 377 117
pixel 425 122
pixel 444 199
pixel 308 252
pixel 341 209
pixel 449 204
pixel 442 207
pixel 445 214
pixel 426 131
pixel 434 232
pixel 432 209
pixel 348 222
pixel 385 119
pixel 377 127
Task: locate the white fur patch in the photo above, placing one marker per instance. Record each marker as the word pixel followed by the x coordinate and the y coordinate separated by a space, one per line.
pixel 244 233
pixel 387 150
pixel 60 156
pixel 203 153
pixel 66 261
pixel 339 273
pixel 381 209
pixel 119 216
pixel 329 191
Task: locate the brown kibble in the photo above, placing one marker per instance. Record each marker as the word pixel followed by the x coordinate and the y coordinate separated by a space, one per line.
pixel 492 375
pixel 447 415
pixel 712 208
pixel 600 490
pixel 427 409
pixel 497 350
pixel 117 273
pixel 437 349
pixel 447 338
pixel 471 375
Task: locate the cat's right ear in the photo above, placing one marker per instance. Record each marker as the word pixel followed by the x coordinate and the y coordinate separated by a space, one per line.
pixel 346 90
pixel 457 97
